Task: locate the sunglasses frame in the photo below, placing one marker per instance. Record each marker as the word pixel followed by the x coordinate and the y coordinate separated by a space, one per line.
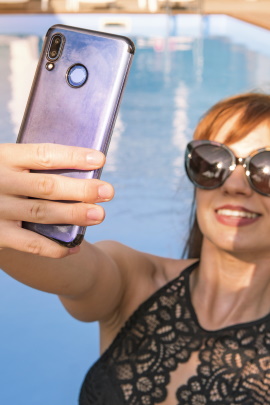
pixel 235 162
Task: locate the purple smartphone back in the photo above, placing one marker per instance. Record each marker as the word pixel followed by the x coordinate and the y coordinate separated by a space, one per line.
pixel 83 116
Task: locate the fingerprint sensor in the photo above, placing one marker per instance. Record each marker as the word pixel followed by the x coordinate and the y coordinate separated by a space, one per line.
pixel 77 75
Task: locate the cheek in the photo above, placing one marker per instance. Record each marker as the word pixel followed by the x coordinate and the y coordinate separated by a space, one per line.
pixel 201 198
pixel 205 210
pixel 266 205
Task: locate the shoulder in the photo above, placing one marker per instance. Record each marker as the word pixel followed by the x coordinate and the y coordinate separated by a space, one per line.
pixel 159 269
pixel 174 267
pixel 140 269
pixel 143 274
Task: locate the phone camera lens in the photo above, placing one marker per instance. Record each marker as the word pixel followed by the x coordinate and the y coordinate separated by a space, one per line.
pixel 55 47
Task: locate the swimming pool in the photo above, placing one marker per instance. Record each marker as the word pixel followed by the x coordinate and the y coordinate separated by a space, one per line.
pixel 182 66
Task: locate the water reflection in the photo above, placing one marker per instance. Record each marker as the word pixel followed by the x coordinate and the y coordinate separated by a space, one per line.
pixel 180 126
pixel 19 58
pixel 111 162
pixel 24 55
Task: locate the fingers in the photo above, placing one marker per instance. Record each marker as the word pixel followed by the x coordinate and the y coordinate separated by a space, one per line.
pixel 47 156
pixel 50 212
pixel 55 187
pixel 52 194
pixel 14 237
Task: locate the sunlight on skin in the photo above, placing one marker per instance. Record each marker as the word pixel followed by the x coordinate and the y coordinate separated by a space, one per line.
pixel 237 192
pixel 233 283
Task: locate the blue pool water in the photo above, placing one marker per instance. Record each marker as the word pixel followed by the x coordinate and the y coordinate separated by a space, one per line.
pixel 182 66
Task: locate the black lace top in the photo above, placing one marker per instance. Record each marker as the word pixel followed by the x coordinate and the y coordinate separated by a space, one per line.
pixel 233 363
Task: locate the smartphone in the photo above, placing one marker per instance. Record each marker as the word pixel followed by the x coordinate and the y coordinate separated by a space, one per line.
pixel 74 100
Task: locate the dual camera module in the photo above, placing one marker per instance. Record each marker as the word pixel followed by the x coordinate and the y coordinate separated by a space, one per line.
pixel 56 47
pixel 76 74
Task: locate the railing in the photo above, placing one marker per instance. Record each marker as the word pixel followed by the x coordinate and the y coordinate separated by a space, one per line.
pixel 177 5
pixel 126 6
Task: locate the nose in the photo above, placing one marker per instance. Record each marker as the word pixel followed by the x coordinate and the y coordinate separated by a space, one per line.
pixel 237 183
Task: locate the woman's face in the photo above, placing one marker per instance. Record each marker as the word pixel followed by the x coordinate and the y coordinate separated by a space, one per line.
pixel 234 217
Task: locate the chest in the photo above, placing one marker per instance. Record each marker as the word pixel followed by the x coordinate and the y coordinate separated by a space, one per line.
pixel 185 370
pixel 162 356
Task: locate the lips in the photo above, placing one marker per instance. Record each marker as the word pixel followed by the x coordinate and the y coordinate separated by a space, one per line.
pixel 233 215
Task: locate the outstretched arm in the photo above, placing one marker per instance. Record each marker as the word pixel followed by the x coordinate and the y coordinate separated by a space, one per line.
pixel 94 282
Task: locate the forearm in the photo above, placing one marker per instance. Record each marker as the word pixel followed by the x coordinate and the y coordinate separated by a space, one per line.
pixel 70 276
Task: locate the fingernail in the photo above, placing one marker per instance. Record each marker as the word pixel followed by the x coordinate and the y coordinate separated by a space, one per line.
pixel 74 250
pixel 94 159
pixel 94 214
pixel 104 191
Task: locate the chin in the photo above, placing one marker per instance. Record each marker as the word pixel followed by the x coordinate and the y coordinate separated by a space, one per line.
pixel 232 244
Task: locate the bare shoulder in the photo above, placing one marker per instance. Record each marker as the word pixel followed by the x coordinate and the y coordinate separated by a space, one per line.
pixel 159 269
pixel 174 267
pixel 139 271
pixel 143 274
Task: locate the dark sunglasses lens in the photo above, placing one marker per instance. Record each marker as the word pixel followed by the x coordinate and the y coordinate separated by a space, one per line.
pixel 208 165
pixel 259 168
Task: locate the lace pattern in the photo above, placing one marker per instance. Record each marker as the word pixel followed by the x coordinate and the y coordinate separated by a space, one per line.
pixel 234 363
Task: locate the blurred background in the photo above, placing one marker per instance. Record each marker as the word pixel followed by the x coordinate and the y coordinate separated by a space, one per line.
pixel 189 55
pixel 254 11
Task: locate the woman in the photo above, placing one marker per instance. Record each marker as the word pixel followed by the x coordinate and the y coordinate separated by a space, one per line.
pixel 172 331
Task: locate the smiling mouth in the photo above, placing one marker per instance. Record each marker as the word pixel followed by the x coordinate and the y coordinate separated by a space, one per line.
pixel 237 214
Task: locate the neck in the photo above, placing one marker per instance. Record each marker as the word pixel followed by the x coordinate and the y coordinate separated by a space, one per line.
pixel 228 289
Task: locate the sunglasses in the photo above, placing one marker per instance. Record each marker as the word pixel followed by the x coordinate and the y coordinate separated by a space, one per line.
pixel 208 164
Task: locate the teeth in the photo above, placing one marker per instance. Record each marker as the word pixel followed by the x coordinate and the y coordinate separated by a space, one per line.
pixel 234 213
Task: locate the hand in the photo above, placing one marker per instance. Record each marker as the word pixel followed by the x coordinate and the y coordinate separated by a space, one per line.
pixel 17 183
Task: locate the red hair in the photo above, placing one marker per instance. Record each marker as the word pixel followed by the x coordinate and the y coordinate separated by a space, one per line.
pixel 249 110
